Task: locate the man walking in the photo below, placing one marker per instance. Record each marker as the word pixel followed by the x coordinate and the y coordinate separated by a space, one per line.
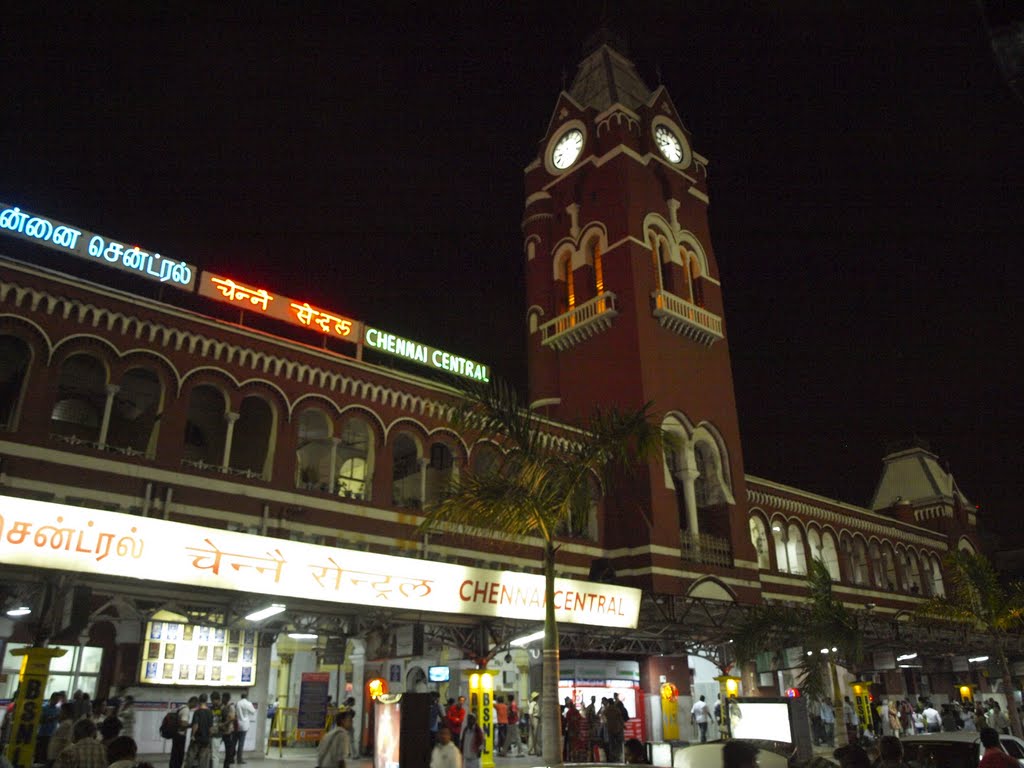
pixel 246 717
pixel 184 714
pixel 699 715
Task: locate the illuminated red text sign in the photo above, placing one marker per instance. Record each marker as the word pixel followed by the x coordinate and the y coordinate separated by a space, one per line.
pixel 263 302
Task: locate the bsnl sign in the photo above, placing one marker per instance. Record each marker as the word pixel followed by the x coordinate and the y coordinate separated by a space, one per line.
pixel 79 242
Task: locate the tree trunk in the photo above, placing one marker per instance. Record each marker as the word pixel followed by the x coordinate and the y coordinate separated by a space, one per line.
pixel 1011 694
pixel 551 728
pixel 837 707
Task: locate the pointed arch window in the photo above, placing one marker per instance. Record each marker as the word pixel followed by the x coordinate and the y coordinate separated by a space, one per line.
pixel 355 460
pixel 830 556
pixel 405 472
pixel 252 443
pixel 136 410
pixel 859 562
pixel 795 550
pixel 14 362
pixel 81 397
pixel 567 299
pixel 205 426
pixel 759 538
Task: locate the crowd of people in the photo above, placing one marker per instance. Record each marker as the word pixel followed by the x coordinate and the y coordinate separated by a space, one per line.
pixel 902 717
pixel 78 732
pixel 591 732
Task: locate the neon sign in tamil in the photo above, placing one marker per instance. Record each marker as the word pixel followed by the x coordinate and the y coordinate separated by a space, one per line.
pixel 54 234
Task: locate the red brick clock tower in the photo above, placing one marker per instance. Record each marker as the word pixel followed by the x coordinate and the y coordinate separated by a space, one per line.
pixel 624 306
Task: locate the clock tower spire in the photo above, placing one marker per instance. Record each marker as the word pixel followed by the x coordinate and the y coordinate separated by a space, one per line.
pixel 624 301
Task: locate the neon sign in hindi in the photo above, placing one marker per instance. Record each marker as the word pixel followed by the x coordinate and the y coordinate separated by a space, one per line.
pixel 279 307
pixel 58 236
pixel 421 353
pixel 41 534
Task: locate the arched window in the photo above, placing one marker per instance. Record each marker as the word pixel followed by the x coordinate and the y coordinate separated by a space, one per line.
pixel 814 544
pixel 759 538
pixel 486 459
pixel 875 565
pixel 912 573
pixel 595 256
pixel 665 264
pixel 206 426
pixel 136 411
pixel 582 520
pixel 889 578
pixel 710 486
pixel 439 471
pixel 696 281
pixel 251 437
pixel 795 550
pixel 405 472
pixel 938 588
pixel 859 562
pixel 355 460
pixel 566 292
pixel 313 450
pixel 781 554
pixel 830 556
pixel 674 465
pixel 81 398
pixel 15 357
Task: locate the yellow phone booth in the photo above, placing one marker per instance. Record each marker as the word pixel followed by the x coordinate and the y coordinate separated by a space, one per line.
pixel 862 703
pixel 728 688
pixel 35 670
pixel 669 712
pixel 481 704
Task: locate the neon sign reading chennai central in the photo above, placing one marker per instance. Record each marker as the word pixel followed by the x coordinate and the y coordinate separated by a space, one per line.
pixel 421 353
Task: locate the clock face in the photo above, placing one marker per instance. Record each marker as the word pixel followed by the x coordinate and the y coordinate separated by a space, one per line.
pixel 567 149
pixel 668 143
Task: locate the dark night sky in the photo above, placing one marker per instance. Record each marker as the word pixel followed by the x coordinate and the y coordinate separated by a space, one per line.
pixel 866 189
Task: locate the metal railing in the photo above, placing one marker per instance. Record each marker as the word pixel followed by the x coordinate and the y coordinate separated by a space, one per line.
pixel 705 548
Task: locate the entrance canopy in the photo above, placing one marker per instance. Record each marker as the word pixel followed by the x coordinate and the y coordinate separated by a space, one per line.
pixel 89 541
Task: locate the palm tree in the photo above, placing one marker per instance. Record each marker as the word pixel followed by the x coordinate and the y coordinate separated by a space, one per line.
pixel 540 487
pixel 976 599
pixel 827 631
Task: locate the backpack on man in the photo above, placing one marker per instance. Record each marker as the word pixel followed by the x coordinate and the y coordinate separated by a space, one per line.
pixel 170 726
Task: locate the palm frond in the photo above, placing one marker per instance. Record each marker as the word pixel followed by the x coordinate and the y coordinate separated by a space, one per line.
pixel 976 597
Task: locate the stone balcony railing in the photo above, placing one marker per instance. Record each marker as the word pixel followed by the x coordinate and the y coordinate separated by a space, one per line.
pixel 579 323
pixel 706 549
pixel 685 318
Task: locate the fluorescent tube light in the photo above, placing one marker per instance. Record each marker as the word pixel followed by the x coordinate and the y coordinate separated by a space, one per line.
pixel 527 639
pixel 266 613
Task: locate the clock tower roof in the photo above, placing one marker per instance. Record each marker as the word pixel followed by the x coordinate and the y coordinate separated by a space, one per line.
pixel 606 77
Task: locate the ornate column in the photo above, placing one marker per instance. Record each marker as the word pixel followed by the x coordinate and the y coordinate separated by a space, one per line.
pixel 112 390
pixel 333 477
pixel 424 463
pixel 230 417
pixel 688 475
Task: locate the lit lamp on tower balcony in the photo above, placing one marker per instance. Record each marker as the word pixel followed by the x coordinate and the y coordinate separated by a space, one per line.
pixel 728 687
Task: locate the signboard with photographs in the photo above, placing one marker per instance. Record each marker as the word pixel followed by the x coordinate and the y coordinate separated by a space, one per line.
pixel 194 655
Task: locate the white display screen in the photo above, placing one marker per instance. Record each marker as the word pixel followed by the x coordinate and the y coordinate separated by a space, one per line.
pixel 768 720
